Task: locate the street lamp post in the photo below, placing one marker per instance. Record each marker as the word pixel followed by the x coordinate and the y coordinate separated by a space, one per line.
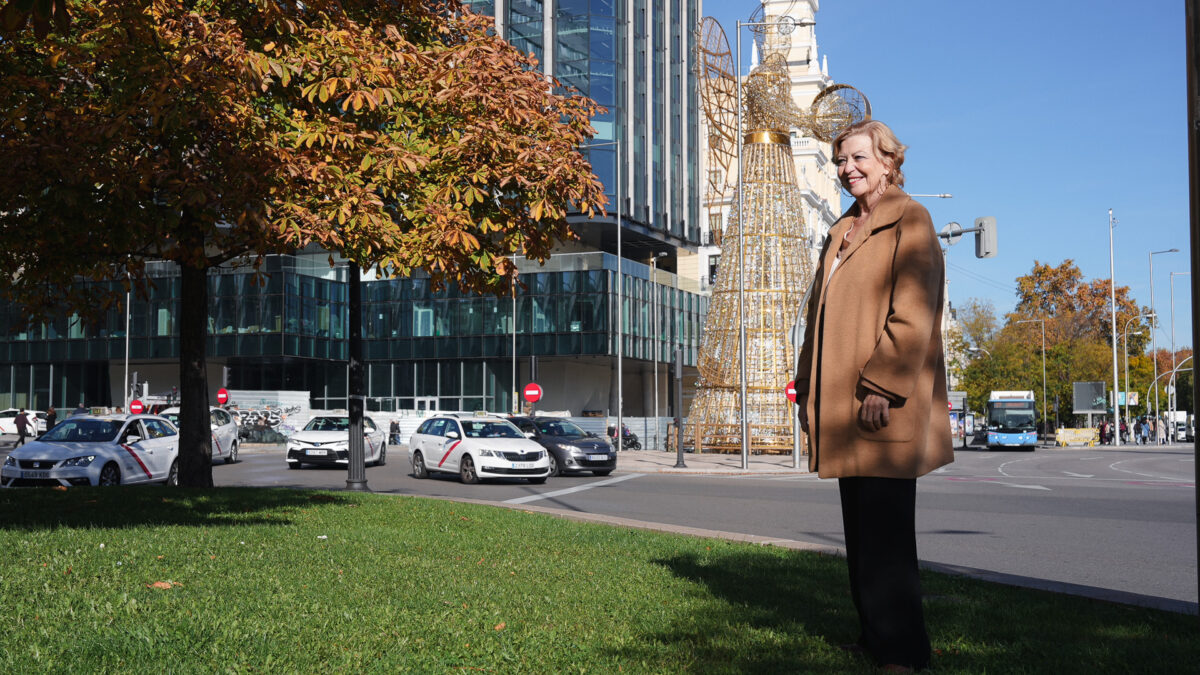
pixel 785 25
pixel 1112 296
pixel 620 437
pixel 1172 400
pixel 1153 342
pixel 657 342
pixel 1044 405
pixel 1140 316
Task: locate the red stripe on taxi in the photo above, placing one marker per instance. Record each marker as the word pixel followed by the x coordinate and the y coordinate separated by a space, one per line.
pixel 452 447
pixel 136 459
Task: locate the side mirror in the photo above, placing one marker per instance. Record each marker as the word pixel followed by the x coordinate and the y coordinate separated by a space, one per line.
pixel 133 439
pixel 214 427
pixel 451 434
pixel 530 434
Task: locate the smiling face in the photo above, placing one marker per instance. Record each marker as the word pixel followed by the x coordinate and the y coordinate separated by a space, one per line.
pixel 859 168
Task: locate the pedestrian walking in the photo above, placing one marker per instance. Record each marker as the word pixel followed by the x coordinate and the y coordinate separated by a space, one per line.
pixel 871 386
pixel 79 410
pixel 21 421
pixel 51 418
pixel 1160 431
pixel 394 432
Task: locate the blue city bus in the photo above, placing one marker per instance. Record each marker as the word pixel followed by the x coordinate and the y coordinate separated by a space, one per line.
pixel 1012 420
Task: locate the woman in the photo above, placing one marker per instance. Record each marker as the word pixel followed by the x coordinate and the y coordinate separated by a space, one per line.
pixel 871 385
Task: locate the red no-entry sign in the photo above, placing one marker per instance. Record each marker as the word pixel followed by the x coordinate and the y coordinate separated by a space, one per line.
pixel 791 391
pixel 532 393
pixel 136 407
pixel 222 396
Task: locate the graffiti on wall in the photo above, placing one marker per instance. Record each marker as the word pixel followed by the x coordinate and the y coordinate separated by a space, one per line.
pixel 267 424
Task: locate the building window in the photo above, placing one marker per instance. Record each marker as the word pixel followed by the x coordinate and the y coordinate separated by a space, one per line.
pixel 714 261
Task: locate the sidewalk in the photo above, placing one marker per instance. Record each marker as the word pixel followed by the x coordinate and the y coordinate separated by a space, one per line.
pixel 653 461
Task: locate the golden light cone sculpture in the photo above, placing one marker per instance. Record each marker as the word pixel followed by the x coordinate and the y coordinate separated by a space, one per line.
pixel 769 211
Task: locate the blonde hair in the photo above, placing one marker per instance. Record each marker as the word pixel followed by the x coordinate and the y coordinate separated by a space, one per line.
pixel 887 147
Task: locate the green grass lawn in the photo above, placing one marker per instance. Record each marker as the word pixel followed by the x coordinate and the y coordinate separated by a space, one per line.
pixel 292 581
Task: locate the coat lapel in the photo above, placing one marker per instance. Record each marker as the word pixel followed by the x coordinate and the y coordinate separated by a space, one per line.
pixel 887 212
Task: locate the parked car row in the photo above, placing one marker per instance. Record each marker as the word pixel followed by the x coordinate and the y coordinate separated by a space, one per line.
pixel 121 449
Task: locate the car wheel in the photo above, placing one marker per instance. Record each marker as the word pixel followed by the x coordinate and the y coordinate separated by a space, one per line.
pixel 554 471
pixel 382 455
pixel 293 465
pixel 232 456
pixel 173 475
pixel 419 470
pixel 110 474
pixel 537 481
pixel 467 471
pixel 602 473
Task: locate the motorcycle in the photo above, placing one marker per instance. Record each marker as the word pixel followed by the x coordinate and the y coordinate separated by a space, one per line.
pixel 629 440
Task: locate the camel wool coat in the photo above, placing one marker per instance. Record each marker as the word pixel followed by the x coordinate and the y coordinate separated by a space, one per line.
pixel 875 326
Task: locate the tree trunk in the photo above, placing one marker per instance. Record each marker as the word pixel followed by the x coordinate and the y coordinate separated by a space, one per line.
pixel 195 436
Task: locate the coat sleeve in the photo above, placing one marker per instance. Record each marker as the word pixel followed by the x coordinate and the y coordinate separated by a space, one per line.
pixel 916 296
pixel 805 357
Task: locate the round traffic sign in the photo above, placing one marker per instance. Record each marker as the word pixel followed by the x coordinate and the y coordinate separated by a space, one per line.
pixel 136 407
pixel 791 391
pixel 532 392
pixel 222 396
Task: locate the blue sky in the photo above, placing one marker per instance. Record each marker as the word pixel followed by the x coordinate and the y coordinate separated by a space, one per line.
pixel 1044 114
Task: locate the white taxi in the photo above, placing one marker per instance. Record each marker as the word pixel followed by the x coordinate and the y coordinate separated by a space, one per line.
pixel 325 440
pixel 224 432
pixel 476 446
pixel 97 450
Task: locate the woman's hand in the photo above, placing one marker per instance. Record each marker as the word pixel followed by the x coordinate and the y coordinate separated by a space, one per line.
pixel 874 412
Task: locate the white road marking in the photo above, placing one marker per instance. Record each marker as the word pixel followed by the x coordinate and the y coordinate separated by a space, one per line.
pixel 1114 467
pixel 1001 471
pixel 579 488
pixel 1027 487
pixel 1080 475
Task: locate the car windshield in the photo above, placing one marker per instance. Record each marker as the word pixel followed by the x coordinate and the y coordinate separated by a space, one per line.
pixel 328 424
pixel 85 431
pixel 490 429
pixel 174 417
pixel 562 428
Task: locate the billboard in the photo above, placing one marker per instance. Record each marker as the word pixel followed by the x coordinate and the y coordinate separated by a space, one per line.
pixel 1090 397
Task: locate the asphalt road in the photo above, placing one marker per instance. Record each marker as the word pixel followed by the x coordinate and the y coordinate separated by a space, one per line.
pixel 1093 519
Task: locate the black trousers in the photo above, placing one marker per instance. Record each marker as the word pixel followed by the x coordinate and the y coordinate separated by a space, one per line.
pixel 878 515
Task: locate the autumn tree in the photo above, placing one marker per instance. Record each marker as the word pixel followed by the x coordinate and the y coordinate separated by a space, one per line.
pixel 404 136
pixel 1078 320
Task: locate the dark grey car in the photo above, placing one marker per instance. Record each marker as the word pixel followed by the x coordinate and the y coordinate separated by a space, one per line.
pixel 571 449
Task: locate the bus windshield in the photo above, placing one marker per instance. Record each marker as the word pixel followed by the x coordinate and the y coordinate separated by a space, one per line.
pixel 1011 416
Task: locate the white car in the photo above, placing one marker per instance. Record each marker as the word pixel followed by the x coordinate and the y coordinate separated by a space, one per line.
pixel 325 440
pixel 476 447
pixel 224 432
pixel 97 450
pixel 8 421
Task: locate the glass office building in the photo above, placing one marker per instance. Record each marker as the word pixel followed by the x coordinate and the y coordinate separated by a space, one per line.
pixel 445 349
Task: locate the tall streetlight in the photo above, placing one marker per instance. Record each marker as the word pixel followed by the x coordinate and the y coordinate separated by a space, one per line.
pixel 785 25
pixel 1044 405
pixel 1153 342
pixel 657 343
pixel 620 437
pixel 1112 297
pixel 1140 316
pixel 1172 400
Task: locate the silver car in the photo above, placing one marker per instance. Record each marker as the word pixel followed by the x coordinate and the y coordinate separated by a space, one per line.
pixel 97 450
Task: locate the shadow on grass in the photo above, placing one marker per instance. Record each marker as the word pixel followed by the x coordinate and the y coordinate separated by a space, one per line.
pixel 133 506
pixel 769 612
pixel 777 613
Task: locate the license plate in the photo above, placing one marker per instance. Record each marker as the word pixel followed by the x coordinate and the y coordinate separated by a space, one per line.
pixel 321 453
pixel 35 474
pixel 598 458
pixel 522 465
